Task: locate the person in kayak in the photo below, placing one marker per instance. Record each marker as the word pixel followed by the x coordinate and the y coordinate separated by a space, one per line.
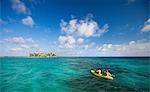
pixel 99 71
pixel 108 73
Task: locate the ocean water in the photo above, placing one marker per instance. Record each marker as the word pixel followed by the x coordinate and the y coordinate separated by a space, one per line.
pixel 73 74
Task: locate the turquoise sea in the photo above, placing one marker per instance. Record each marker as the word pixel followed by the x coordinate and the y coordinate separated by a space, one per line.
pixel 72 74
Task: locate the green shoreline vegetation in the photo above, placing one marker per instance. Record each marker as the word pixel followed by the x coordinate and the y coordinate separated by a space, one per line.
pixel 42 55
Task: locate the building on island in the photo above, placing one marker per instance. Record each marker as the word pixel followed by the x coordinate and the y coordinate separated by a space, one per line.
pixel 45 55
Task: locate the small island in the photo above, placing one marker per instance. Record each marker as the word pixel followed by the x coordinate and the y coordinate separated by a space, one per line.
pixel 42 55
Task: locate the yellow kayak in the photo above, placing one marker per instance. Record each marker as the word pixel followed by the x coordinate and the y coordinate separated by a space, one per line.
pixel 100 75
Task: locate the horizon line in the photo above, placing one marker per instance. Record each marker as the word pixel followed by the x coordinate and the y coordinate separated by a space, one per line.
pixel 81 56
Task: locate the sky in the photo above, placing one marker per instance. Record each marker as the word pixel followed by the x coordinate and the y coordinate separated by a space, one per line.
pixel 75 27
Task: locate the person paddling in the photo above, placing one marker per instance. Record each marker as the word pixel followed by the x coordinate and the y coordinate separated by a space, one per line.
pixel 99 71
pixel 108 73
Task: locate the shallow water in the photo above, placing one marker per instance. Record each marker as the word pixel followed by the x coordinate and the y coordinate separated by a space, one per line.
pixel 73 75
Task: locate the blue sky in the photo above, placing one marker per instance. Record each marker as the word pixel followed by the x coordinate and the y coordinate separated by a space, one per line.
pixel 75 27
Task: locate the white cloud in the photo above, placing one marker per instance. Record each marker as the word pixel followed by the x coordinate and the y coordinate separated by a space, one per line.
pixel 18 40
pixel 105 27
pixel 66 41
pixel 131 42
pixel 86 27
pixel 20 48
pixel 131 49
pixel 25 46
pixel 146 26
pixel 62 39
pixel 142 40
pixel 80 40
pixel 28 21
pixel 71 40
pixel 26 49
pixel 105 47
pixel 67 45
pixel 109 46
pixel 16 49
pixel 92 44
pixel 70 27
pixel 35 46
pixel 19 6
pixel 77 30
pixel 87 46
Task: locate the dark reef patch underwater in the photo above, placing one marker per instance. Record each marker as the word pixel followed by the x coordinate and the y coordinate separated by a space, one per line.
pixel 72 74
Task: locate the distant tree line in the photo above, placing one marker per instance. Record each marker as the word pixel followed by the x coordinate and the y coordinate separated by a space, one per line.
pixel 42 55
